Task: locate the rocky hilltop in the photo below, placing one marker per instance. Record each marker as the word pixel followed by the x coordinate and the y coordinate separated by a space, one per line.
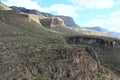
pixel 52 22
pixel 35 46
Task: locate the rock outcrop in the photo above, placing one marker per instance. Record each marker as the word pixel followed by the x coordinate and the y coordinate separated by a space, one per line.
pixel 68 21
pixel 52 22
pixel 98 42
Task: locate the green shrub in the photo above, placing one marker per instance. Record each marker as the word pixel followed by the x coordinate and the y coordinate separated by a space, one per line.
pixel 37 78
pixel 14 79
pixel 24 79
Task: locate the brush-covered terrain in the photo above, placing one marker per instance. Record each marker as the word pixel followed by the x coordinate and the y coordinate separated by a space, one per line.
pixel 29 49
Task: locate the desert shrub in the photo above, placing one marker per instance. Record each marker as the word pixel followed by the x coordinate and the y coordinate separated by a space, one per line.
pixel 37 78
pixel 24 79
pixel 14 79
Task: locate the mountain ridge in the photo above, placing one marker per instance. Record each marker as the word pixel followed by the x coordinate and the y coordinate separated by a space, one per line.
pixel 116 34
pixel 4 7
pixel 67 20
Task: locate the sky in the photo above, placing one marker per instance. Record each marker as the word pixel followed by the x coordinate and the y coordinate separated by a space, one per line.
pixel 86 13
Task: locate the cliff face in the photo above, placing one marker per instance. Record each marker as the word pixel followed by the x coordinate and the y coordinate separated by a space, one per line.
pixel 107 49
pixel 99 42
pixel 52 22
pixel 68 21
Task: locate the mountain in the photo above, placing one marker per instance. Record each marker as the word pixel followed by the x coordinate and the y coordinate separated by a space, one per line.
pixel 116 34
pixel 4 7
pixel 97 29
pixel 35 46
pixel 67 20
pixel 36 12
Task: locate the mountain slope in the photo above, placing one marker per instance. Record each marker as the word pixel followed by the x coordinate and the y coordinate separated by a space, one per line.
pixel 105 31
pixel 28 49
pixel 4 7
pixel 90 32
pixel 67 20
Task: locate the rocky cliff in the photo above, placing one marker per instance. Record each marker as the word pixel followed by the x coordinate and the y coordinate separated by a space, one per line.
pixel 107 49
pixel 68 21
pixel 52 22
pixel 93 41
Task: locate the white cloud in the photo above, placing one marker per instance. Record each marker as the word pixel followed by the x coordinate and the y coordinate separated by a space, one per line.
pixel 30 4
pixel 60 9
pixel 96 4
pixel 111 22
pixel 95 22
pixel 114 21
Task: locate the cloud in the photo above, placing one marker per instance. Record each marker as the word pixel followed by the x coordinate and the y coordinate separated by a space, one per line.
pixel 30 4
pixel 95 22
pixel 95 4
pixel 110 22
pixel 114 21
pixel 59 9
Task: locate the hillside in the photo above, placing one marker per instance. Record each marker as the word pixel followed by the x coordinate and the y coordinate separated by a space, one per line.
pixel 67 20
pixel 4 7
pixel 116 34
pixel 37 46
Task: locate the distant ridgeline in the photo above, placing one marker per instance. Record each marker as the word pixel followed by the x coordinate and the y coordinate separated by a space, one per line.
pixel 67 20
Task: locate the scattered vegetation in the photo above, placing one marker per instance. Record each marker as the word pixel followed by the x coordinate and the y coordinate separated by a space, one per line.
pixel 29 49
